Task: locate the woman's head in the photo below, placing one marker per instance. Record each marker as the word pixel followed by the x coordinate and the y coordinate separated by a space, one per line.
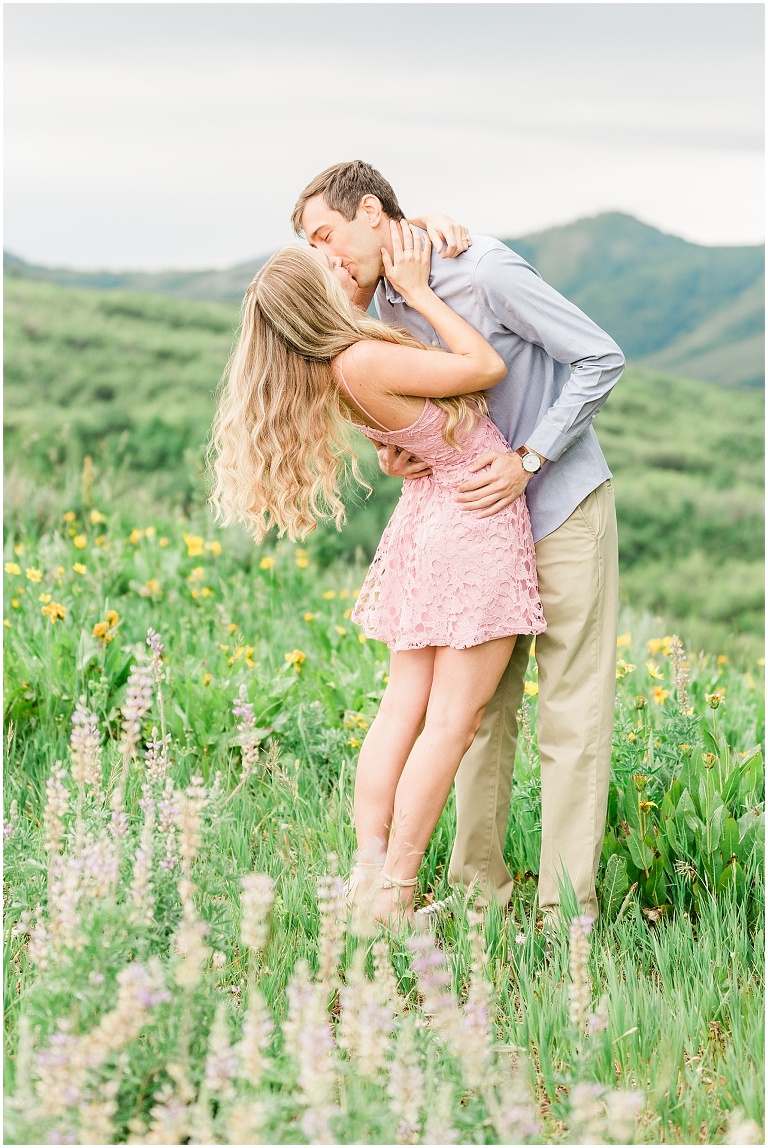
pixel 279 446
pixel 280 442
pixel 305 298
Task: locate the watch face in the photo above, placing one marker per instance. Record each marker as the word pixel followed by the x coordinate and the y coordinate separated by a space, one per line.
pixel 531 463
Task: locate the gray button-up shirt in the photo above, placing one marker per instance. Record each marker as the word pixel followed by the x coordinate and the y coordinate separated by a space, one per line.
pixel 560 367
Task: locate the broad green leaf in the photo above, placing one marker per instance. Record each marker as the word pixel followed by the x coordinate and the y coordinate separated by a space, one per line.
pixel 631 806
pixel 639 851
pixel 752 838
pixel 729 841
pixel 615 885
pixel 709 834
pixel 655 887
pixel 732 878
pixel 733 784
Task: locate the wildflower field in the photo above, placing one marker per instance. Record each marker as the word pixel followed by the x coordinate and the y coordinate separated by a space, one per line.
pixel 183 714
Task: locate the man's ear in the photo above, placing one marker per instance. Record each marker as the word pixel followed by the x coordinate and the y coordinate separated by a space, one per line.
pixel 371 207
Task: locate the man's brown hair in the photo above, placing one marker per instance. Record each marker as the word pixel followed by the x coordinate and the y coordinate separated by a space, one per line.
pixel 343 186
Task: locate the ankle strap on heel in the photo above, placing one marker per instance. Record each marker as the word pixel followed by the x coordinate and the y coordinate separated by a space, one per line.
pixel 388 882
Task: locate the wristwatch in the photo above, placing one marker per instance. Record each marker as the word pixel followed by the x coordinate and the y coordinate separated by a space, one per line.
pixel 531 461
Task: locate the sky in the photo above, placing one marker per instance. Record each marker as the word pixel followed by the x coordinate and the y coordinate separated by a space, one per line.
pixel 149 136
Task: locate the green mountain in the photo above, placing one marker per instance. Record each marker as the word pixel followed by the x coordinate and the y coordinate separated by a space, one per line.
pixel 695 311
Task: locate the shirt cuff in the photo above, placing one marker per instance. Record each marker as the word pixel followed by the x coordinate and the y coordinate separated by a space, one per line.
pixel 548 442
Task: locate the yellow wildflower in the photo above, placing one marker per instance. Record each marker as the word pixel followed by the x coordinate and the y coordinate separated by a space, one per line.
pixel 660 695
pixel 353 742
pixel 623 640
pixel 15 603
pixel 207 591
pixel 150 588
pixel 70 516
pixel 362 639
pixel 302 563
pixel 195 593
pixel 329 595
pixel 640 781
pixel 531 689
pixel 33 574
pixel 60 570
pixel 348 612
pixel 343 593
pixel 222 647
pixel 99 539
pixel 296 658
pixel 105 631
pixel 6 623
pixel 150 531
pixel 722 659
pixel 647 806
pixel 713 700
pixel 80 541
pixel 232 627
pixel 267 563
pixel 631 736
pixel 12 568
pixel 44 598
pixel 761 661
pixel 341 631
pixel 18 549
pixel 653 671
pixel 54 610
pixel 78 568
pixel 207 679
pixel 309 617
pixel 684 749
pixel 623 668
pixel 660 645
pixel 96 517
pixel 214 547
pixel 194 545
pixel 163 541
pixel 197 574
pixel 135 536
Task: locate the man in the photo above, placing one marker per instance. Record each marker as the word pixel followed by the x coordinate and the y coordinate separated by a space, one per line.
pixel 561 367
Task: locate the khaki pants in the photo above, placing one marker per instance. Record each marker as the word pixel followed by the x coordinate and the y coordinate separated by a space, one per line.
pixel 578 581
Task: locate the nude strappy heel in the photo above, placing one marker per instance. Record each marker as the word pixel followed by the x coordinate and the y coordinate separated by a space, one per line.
pixel 389 882
pixel 365 876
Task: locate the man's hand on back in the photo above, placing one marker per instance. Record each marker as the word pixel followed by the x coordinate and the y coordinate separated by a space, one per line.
pixel 399 464
pixel 497 486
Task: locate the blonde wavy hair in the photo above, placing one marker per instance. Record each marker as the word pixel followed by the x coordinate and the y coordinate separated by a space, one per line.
pixel 279 448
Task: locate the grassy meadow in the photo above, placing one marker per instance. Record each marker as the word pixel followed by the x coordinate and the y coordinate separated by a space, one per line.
pixel 152 995
pixel 183 713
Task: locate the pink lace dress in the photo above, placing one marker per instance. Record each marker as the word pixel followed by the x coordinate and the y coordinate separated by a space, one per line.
pixel 443 576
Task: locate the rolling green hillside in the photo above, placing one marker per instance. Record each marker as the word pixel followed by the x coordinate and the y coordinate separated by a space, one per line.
pixel 691 310
pixel 130 380
pixel 696 310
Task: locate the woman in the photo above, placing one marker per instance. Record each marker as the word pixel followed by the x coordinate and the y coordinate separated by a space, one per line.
pixel 448 591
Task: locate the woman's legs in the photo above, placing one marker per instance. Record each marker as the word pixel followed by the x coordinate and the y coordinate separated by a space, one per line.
pixel 463 682
pixel 387 746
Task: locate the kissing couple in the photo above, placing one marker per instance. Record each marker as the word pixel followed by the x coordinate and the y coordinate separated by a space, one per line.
pixel 479 384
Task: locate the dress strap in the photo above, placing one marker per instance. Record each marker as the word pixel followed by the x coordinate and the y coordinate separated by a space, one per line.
pixel 357 401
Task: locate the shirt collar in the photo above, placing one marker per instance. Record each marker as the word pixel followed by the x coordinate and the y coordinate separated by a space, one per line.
pixel 392 295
